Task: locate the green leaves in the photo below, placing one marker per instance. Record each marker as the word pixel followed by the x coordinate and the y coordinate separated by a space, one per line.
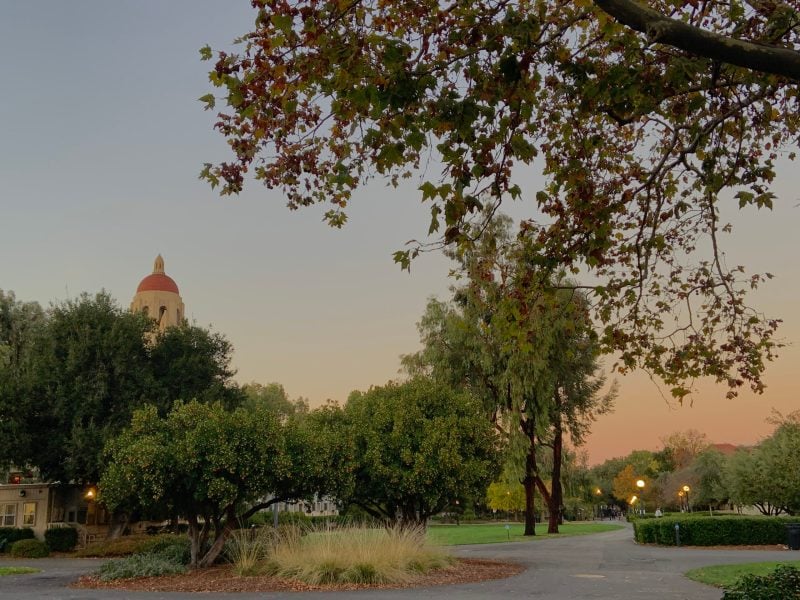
pixel 637 147
pixel 416 446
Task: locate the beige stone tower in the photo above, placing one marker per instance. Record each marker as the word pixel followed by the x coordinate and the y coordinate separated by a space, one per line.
pixel 158 296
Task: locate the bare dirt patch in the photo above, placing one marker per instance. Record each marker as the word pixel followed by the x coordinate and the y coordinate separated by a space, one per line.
pixel 222 579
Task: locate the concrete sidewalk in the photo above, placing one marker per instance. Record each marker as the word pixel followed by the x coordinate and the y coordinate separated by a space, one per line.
pixel 606 566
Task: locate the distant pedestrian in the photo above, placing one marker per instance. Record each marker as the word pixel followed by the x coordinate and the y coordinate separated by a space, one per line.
pixel 658 512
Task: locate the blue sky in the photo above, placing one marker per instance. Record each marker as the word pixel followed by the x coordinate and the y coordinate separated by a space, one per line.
pixel 101 142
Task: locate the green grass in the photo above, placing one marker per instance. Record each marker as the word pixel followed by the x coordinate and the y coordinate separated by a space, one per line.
pixel 17 570
pixel 726 575
pixel 491 533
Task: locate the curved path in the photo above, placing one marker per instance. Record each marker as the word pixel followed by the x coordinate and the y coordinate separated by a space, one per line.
pixel 605 566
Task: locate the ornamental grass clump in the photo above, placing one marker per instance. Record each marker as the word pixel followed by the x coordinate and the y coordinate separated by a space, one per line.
pixel 246 549
pixel 355 555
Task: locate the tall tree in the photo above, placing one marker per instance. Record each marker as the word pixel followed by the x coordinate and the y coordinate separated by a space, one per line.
pixel 680 448
pixel 20 323
pixel 191 362
pixel 72 376
pixel 768 476
pixel 644 117
pixel 91 371
pixel 529 354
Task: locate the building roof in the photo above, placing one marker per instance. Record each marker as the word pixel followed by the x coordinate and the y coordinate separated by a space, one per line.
pixel 158 280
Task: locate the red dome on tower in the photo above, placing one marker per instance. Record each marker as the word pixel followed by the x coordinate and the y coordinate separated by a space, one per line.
pixel 158 281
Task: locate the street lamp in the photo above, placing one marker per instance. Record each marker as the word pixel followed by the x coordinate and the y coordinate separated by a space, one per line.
pixel 680 499
pixel 598 492
pixel 686 489
pixel 640 485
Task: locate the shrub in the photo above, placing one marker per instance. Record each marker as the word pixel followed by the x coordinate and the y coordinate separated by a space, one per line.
pixel 783 584
pixel 29 549
pixel 354 555
pixel 14 534
pixel 294 518
pixel 62 539
pixel 712 531
pixel 128 545
pixel 139 565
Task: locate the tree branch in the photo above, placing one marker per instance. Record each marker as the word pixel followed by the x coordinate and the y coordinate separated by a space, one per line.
pixel 664 30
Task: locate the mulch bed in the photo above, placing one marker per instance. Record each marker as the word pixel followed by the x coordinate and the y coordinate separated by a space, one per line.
pixel 222 579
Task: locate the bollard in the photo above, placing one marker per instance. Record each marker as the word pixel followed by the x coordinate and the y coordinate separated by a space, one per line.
pixel 677 534
pixel 793 536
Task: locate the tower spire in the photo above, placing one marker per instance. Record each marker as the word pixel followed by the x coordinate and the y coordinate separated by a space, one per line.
pixel 158 265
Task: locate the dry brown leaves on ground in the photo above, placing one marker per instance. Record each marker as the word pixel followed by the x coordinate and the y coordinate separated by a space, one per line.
pixel 222 579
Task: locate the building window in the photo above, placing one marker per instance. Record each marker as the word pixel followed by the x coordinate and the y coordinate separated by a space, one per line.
pixel 9 515
pixel 71 516
pixel 29 514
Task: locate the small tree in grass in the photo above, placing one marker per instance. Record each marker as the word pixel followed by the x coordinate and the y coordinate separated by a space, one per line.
pixel 210 466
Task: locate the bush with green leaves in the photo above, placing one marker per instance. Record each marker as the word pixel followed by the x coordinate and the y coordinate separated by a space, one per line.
pixel 781 584
pixel 140 565
pixel 14 534
pixel 713 531
pixel 299 518
pixel 31 548
pixel 61 539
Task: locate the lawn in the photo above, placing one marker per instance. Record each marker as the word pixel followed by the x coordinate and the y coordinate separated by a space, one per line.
pixel 491 533
pixel 726 575
pixel 17 570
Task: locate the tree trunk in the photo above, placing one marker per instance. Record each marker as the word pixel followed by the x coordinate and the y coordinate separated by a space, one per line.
pixel 556 493
pixel 529 482
pixel 530 507
pixel 217 547
pixel 194 539
pixel 222 535
pixel 119 522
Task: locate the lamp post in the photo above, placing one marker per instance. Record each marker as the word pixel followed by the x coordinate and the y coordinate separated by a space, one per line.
pixel 680 499
pixel 640 485
pixel 686 489
pixel 598 492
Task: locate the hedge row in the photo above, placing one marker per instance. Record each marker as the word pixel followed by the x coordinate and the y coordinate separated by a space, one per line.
pixel 713 531
pixel 13 534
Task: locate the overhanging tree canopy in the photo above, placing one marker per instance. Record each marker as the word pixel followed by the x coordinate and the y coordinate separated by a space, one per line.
pixel 641 137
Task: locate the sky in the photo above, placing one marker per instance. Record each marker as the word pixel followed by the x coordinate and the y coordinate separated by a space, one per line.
pixel 101 142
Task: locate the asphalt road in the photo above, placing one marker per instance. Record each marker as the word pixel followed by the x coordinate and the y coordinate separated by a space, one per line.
pixel 605 566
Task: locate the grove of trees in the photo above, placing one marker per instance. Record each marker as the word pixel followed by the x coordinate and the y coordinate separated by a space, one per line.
pixel 764 476
pixel 72 375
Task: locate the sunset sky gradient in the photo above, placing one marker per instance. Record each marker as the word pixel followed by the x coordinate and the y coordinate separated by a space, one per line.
pixel 101 142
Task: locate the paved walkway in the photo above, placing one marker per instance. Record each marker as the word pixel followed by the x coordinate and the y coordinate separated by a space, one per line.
pixel 606 566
